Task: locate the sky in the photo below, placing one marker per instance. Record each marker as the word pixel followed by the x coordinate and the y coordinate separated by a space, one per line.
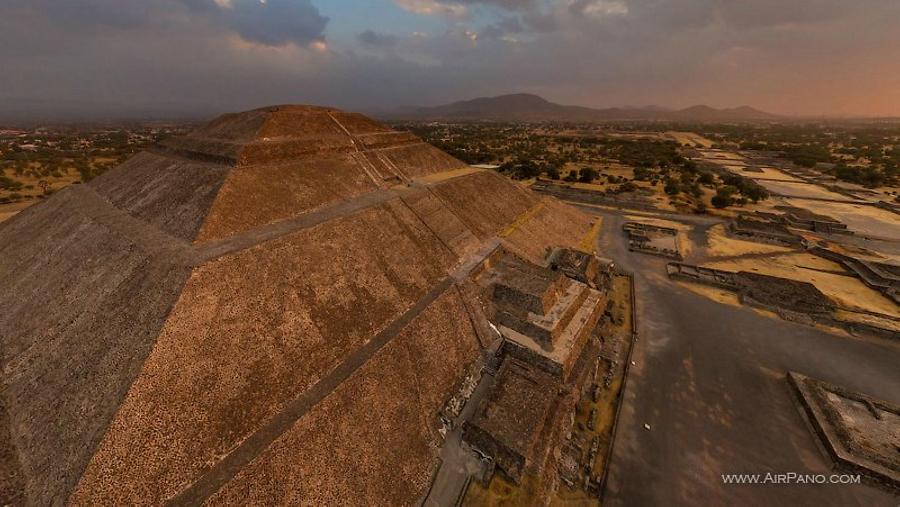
pixel 797 57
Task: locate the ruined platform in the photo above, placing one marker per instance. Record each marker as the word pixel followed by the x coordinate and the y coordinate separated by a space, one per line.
pixel 544 316
pixel 589 269
pixel 882 277
pixel 790 299
pixel 763 229
pixel 546 320
pixel 860 433
pixel 508 423
pixel 652 239
pixel 801 218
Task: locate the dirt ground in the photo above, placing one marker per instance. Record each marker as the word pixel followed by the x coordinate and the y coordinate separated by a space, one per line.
pixel 719 244
pixel 792 189
pixel 722 156
pixel 659 222
pixel 868 319
pixel 769 173
pixel 690 138
pixel 8 211
pixel 866 220
pixel 32 191
pixel 828 277
pixel 722 296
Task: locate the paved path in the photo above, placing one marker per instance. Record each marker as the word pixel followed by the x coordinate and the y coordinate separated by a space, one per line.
pixel 709 379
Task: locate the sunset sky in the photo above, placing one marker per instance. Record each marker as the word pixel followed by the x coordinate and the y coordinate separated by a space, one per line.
pixel 805 57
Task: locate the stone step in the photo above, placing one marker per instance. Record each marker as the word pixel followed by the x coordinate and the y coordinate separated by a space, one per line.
pixel 562 312
pixel 579 328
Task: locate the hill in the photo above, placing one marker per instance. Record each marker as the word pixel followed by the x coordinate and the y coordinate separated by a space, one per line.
pixel 532 108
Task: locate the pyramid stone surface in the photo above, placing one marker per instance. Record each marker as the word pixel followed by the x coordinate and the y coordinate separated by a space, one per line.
pixel 270 309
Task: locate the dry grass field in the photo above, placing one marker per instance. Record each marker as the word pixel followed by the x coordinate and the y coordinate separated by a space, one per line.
pixel 861 219
pixel 828 277
pixel 722 296
pixel 8 211
pixel 769 173
pixel 719 244
pixel 800 190
pixel 690 138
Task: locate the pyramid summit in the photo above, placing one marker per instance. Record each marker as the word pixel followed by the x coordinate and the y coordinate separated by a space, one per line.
pixel 273 308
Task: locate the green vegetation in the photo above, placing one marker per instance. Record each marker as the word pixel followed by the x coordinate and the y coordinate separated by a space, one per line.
pixel 35 163
pixel 863 153
pixel 525 152
pixel 9 184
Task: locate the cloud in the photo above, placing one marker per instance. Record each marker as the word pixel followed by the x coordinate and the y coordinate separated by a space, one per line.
pixel 274 22
pixel 224 55
pixel 269 22
pixel 462 8
pixel 377 40
pixel 600 8
pixel 434 7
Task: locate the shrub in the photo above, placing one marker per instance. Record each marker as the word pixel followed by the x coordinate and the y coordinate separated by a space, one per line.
pixel 587 175
pixel 672 187
pixel 722 201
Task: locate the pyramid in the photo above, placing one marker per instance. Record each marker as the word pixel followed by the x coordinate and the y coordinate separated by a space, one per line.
pixel 271 309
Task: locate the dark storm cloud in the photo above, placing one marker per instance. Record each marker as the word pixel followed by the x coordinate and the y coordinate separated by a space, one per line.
pixel 271 22
pixel 375 39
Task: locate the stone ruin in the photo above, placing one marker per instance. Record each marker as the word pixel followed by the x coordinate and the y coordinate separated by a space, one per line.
pixel 800 218
pixel 762 228
pixel 860 434
pixel 548 317
pixel 788 298
pixel 880 276
pixel 269 310
pixel 512 418
pixel 652 239
pixel 774 228
pixel 782 294
pixel 583 267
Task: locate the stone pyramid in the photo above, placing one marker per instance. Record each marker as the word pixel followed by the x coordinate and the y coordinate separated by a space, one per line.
pixel 272 309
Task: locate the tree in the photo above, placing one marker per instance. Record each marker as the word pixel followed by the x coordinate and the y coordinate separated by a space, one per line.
pixel 642 173
pixel 587 175
pixel 723 197
pixel 721 201
pixel 672 187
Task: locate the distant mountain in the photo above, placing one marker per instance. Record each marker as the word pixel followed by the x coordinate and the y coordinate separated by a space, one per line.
pixel 706 113
pixel 527 107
